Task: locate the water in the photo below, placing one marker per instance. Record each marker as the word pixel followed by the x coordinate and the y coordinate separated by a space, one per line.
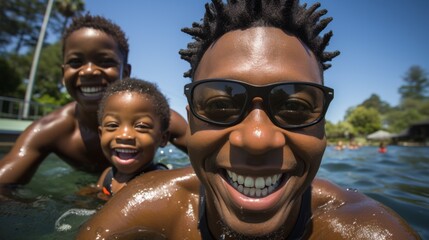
pixel 49 208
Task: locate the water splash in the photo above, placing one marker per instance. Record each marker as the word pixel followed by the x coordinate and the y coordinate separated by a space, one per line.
pixel 61 227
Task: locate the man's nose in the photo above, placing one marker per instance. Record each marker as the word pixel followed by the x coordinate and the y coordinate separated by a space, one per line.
pixel 257 134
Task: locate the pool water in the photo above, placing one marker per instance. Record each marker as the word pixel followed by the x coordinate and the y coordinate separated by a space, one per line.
pixel 49 208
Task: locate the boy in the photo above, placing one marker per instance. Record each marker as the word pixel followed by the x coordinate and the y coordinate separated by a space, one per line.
pixel 131 136
pixel 95 54
pixel 256 116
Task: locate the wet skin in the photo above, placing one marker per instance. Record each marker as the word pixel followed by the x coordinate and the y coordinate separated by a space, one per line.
pixel 130 136
pixel 92 60
pixel 252 148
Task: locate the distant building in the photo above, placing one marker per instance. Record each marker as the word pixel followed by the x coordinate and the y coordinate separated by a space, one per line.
pixel 417 133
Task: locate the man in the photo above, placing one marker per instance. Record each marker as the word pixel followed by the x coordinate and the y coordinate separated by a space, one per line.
pixel 256 117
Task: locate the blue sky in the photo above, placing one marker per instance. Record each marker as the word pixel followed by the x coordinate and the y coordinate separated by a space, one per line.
pixel 378 40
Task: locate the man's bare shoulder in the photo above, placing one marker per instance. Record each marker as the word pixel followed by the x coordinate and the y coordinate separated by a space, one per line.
pixel 342 214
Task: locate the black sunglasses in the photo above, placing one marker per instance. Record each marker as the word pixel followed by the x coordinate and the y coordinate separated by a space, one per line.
pixel 289 105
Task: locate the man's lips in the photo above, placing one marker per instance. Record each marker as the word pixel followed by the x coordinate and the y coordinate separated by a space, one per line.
pixel 255 186
pixel 255 193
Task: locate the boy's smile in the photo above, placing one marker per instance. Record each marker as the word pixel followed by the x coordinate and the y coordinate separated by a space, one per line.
pixel 255 172
pixel 92 60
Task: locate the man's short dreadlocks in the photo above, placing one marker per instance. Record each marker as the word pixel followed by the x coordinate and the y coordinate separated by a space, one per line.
pixel 288 15
pixel 102 24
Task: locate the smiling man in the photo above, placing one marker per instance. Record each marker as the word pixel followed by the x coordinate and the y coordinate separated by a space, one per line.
pixel 256 115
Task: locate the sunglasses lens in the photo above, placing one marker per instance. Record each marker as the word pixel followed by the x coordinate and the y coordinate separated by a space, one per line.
pixel 219 102
pixel 296 105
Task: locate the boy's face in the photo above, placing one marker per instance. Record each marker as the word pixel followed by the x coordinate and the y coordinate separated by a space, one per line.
pixel 92 60
pixel 130 135
pixel 231 160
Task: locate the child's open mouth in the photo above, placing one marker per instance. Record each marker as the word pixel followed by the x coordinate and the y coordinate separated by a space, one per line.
pixel 125 154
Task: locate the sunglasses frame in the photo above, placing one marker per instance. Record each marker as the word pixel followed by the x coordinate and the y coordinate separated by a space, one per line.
pixel 262 91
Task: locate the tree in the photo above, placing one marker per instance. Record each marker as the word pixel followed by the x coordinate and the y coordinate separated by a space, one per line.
pixel 416 84
pixel 22 20
pixel 408 112
pixel 364 120
pixel 10 78
pixel 342 129
pixel 69 9
pixel 375 102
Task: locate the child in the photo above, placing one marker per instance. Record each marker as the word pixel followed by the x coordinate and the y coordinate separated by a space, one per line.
pixel 95 53
pixel 256 108
pixel 133 118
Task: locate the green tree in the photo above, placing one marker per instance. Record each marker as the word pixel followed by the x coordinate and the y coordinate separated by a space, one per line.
pixel 408 112
pixel 10 78
pixel 342 129
pixel 364 120
pixel 416 84
pixel 21 20
pixel 375 102
pixel 69 9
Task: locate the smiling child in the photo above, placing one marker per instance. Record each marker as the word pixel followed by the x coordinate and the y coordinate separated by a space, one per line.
pixel 134 117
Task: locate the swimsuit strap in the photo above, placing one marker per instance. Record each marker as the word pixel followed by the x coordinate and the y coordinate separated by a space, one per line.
pixel 202 217
pixel 304 216
pixel 297 232
pixel 107 182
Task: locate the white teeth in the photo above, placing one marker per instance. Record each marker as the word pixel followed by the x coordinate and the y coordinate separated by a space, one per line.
pixel 254 186
pixel 124 150
pixel 91 91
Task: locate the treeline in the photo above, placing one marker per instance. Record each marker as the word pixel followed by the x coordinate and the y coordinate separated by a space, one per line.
pixel 20 24
pixel 374 114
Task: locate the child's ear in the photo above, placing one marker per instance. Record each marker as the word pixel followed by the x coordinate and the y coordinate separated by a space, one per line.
pixel 164 138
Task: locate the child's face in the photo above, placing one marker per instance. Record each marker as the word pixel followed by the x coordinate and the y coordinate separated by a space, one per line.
pixel 92 60
pixel 130 131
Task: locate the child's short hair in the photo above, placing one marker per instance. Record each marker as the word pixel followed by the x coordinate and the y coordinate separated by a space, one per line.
pixel 102 24
pixel 134 85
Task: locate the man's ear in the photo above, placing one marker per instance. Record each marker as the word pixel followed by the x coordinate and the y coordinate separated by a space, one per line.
pixel 164 138
pixel 188 112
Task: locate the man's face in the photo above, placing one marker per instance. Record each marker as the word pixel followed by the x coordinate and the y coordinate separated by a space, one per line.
pixel 92 60
pixel 255 149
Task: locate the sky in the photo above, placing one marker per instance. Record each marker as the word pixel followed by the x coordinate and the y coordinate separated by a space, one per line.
pixel 379 41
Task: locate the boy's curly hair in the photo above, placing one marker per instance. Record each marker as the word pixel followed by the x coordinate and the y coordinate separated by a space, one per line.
pixel 102 24
pixel 134 85
pixel 288 15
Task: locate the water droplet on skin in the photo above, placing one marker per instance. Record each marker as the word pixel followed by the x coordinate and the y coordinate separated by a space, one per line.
pixel 21 152
pixel 352 189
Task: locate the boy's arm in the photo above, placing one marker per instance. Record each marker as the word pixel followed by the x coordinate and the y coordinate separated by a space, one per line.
pixel 31 148
pixel 178 131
